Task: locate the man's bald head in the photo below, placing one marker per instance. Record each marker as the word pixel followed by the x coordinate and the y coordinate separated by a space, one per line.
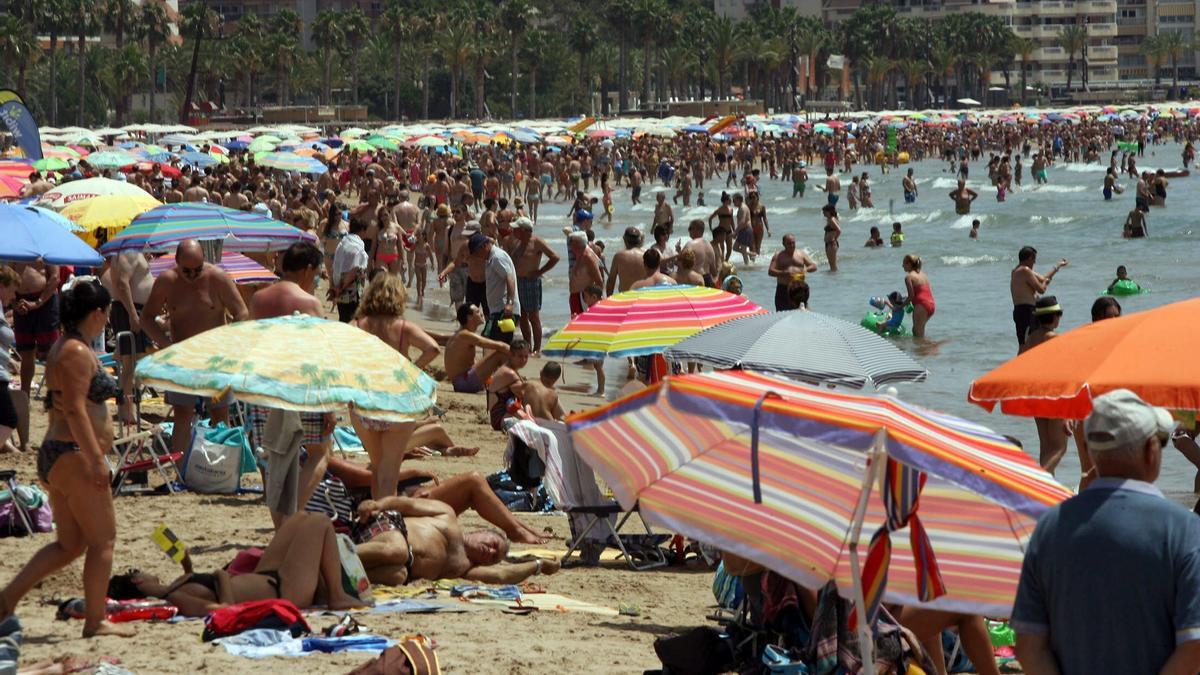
pixel 189 255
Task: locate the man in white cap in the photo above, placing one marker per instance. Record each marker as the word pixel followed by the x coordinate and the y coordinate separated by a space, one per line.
pixel 527 250
pixel 1111 578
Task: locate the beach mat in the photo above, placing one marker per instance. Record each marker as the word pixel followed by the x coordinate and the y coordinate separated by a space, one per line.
pixel 608 554
pixel 410 606
pixel 551 602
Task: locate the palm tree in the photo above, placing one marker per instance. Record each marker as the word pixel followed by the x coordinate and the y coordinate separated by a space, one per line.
pixel 199 22
pixel 1174 44
pixel 156 30
pixel 52 19
pixel 250 46
pixel 126 71
pixel 284 41
pixel 943 59
pixel 877 69
pixel 914 71
pixel 329 37
pixel 118 17
pixel 455 45
pixel 1155 52
pixel 650 20
pixel 396 26
pixel 17 47
pixel 515 16
pixel 723 41
pixel 620 17
pixel 1024 47
pixel 809 43
pixel 533 48
pixel 583 39
pixel 83 20
pixel 358 34
pixel 483 48
pixel 1072 39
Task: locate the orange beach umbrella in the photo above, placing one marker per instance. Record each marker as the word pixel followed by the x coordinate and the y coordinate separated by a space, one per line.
pixel 1152 353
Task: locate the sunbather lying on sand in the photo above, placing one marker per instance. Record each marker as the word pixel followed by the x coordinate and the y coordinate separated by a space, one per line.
pixel 407 538
pixel 303 553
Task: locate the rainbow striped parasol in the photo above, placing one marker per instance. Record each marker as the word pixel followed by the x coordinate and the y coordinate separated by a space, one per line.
pixel 241 269
pixel 164 227
pixel 646 321
pixel 782 473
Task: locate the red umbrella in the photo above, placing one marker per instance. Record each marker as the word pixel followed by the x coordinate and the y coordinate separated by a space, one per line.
pixel 167 170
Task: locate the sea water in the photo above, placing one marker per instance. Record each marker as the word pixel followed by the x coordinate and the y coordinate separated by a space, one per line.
pixel 972 329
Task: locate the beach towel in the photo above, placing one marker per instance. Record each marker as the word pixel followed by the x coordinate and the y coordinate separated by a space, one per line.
pixel 244 616
pixel 472 591
pixel 411 606
pixel 262 643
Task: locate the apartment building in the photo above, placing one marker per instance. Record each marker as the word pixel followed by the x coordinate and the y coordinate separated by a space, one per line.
pixel 1038 20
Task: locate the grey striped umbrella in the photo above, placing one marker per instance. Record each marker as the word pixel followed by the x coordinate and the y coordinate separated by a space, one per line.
pixel 802 345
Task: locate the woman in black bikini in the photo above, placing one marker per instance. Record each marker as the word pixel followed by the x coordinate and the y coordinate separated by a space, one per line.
pixel 71 460
pixel 302 555
pixel 833 230
pixel 724 229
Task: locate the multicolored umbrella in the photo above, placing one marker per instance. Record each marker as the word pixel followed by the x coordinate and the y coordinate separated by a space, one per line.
pixel 241 269
pixel 32 233
pixel 296 362
pixel 834 352
pixel 290 161
pixel 109 212
pixel 164 227
pixel 76 190
pixel 647 321
pixel 1151 353
pixel 11 186
pixel 783 474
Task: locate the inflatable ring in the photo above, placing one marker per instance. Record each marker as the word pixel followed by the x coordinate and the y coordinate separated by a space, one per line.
pixel 1125 287
pixel 876 322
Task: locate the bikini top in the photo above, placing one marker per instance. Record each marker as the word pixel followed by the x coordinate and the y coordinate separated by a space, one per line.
pixel 102 387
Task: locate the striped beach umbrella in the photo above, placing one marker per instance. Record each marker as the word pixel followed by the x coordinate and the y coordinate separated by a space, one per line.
pixel 163 228
pixel 647 321
pixel 290 161
pixel 241 269
pixel 784 474
pixel 111 159
pixel 803 345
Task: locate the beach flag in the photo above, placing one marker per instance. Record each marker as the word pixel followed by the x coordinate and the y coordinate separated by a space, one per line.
pixel 891 140
pixel 902 486
pixel 20 123
pixel 170 544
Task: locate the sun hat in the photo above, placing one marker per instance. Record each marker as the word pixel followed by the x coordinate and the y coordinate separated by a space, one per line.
pixel 1121 419
pixel 476 242
pixel 1047 304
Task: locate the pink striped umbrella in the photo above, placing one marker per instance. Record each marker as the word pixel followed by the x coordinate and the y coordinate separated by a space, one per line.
pixel 241 269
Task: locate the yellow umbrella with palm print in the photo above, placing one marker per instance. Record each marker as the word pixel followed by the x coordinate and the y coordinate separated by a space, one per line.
pixel 296 362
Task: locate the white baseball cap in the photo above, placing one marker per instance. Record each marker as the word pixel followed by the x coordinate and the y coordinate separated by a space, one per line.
pixel 1120 419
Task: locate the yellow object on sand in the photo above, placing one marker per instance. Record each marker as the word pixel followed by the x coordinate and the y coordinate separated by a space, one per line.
pixel 581 125
pixel 170 544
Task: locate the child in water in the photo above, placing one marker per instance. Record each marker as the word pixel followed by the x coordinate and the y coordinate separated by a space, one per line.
pixel 897 235
pixel 974 229
pixel 1122 276
pixel 874 239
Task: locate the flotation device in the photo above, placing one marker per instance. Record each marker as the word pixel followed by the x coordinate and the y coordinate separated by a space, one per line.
pixel 902 158
pixel 877 322
pixel 1125 287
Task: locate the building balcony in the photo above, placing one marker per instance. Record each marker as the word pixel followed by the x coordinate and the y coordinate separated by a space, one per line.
pixel 1046 32
pixel 1052 8
pixel 1102 54
pixel 1097 7
pixel 1099 75
pixel 1102 29
pixel 1050 54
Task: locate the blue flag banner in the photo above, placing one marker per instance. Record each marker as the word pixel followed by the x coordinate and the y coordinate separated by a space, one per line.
pixel 20 123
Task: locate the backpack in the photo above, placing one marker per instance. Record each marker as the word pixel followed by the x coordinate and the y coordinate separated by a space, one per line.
pixel 276 614
pixel 411 657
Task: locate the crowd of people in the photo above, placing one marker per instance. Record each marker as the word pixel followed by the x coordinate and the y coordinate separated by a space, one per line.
pixel 382 220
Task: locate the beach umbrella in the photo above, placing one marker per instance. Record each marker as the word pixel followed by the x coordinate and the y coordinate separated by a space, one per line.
pixel 354 132
pixel 51 164
pixel 237 145
pixel 646 321
pixel 16 167
pixel 200 160
pixel 431 142
pixel 383 143
pixel 29 233
pixel 261 145
pixel 73 191
pixel 1151 353
pixel 834 351
pixel 11 186
pixel 110 159
pixel 162 229
pixel 108 212
pixel 290 161
pixel 241 269
pixel 784 474
pixel 296 362
pixel 361 146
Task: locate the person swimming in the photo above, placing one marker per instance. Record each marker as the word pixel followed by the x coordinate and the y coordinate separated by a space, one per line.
pixel 897 235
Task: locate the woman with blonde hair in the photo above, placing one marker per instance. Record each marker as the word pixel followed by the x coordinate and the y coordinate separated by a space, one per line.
pixel 381 313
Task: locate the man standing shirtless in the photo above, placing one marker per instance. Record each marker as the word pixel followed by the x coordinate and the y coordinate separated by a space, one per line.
pixel 627 266
pixel 128 281
pixel 465 374
pixel 197 296
pixel 300 265
pixel 584 272
pixel 526 250
pixel 652 268
pixel 1026 286
pixel 790 264
pixel 35 316
pixel 706 257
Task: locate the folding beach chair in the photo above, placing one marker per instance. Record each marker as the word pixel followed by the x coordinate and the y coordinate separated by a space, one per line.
pixel 594 517
pixel 141 452
pixel 8 477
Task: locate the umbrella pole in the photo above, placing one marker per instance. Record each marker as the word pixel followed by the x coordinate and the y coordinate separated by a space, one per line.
pixel 866 634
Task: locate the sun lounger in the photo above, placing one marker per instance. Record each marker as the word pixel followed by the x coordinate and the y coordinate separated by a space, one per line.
pixel 596 520
pixel 144 451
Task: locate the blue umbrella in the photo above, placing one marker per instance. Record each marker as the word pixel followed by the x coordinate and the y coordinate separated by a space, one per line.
pixel 30 233
pixel 237 145
pixel 198 159
pixel 696 129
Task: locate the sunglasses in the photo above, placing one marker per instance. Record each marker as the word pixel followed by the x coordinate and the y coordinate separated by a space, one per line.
pixel 192 272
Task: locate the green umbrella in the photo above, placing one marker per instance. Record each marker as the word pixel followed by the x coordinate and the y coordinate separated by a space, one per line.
pixel 383 143
pixel 361 146
pixel 262 145
pixel 51 164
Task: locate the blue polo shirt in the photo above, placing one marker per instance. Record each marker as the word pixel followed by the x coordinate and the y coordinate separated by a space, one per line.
pixel 1112 576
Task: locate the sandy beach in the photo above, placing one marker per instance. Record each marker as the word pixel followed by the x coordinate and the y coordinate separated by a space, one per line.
pixel 216 527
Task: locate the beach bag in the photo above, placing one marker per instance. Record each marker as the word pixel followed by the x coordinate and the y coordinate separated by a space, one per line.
pixel 411 657
pixel 332 498
pixel 700 651
pixel 274 614
pixel 354 575
pixel 36 504
pixel 213 465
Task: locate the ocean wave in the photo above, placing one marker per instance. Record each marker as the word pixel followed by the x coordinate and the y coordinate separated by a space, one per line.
pixel 966 260
pixel 1053 220
pixel 964 222
pixel 1082 168
pixel 1059 188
